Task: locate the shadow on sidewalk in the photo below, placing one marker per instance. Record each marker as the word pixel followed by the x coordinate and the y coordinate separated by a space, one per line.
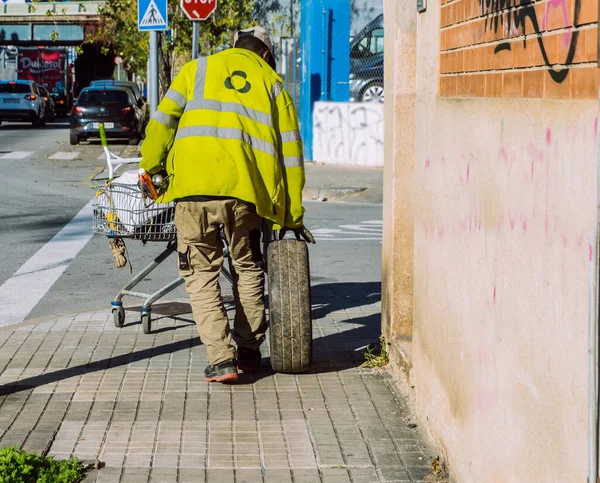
pixel 339 347
pixel 101 365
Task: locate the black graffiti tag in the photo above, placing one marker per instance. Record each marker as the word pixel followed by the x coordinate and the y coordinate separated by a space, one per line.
pixel 497 10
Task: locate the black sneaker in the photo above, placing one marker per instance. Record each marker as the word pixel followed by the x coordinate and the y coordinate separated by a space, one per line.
pixel 248 360
pixel 222 372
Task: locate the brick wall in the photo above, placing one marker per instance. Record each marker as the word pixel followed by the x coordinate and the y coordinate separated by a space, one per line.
pixel 516 48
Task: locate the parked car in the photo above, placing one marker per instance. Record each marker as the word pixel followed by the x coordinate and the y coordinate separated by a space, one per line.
pixel 61 104
pixel 366 63
pixel 49 114
pixel 114 106
pixel 140 99
pixel 21 100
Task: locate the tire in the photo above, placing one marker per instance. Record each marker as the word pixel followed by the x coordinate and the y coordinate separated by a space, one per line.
pixel 36 122
pixel 290 320
pixel 119 316
pixel 73 139
pixel 134 141
pixel 374 92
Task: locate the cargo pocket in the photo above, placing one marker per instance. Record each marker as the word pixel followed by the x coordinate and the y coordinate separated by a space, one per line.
pixel 185 265
pixel 246 216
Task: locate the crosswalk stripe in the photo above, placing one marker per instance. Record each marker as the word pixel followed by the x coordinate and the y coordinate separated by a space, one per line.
pixel 21 293
pixel 65 155
pixel 16 155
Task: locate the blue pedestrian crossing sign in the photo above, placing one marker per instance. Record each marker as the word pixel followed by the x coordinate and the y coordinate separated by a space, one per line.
pixel 152 15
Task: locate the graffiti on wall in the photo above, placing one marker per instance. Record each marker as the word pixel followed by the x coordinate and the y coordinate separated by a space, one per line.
pixel 527 188
pixel 348 133
pixel 514 21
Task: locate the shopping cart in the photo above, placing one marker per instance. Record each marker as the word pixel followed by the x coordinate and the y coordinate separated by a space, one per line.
pixel 122 212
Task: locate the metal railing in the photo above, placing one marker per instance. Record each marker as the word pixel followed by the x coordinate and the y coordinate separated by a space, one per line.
pixel 48 9
pixel 290 67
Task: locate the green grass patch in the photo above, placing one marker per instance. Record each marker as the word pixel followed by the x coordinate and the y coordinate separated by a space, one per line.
pixel 17 466
pixel 377 355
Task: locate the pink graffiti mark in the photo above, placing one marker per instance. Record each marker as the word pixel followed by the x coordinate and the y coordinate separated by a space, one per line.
pixel 532 169
pixel 494 297
pixel 512 220
pixel 556 4
pixel 427 164
pixel 523 222
pixel 549 136
pixel 502 155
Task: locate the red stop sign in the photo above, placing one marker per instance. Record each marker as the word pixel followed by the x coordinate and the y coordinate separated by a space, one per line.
pixel 198 9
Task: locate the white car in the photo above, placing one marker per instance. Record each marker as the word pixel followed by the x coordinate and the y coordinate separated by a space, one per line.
pixel 21 100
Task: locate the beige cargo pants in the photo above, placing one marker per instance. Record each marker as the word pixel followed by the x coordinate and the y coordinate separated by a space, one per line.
pixel 200 252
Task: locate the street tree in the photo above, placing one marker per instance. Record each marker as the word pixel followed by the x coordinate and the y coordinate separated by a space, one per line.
pixel 117 32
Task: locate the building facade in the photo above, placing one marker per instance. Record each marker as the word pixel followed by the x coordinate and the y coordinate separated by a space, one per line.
pixel 491 123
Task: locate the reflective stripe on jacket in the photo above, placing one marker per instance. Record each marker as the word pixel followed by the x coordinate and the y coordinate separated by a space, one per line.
pixel 227 127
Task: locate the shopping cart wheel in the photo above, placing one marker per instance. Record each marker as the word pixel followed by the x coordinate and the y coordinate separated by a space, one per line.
pixel 118 313
pixel 290 320
pixel 146 322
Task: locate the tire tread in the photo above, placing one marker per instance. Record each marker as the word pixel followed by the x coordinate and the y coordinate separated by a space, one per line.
pixel 289 306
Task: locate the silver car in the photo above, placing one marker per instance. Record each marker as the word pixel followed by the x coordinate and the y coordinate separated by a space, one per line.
pixel 21 100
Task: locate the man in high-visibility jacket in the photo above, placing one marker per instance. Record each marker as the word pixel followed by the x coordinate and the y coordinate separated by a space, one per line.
pixel 227 134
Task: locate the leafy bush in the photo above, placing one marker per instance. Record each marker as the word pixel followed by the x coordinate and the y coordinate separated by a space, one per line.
pixel 17 466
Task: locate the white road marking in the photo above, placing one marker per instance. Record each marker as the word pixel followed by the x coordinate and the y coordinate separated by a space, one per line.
pixel 17 155
pixel 347 239
pixel 65 155
pixel 22 292
pixel 367 230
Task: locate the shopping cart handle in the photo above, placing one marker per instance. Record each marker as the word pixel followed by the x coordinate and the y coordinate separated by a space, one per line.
pixel 103 134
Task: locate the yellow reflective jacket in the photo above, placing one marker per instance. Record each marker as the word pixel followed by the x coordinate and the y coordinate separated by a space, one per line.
pixel 227 127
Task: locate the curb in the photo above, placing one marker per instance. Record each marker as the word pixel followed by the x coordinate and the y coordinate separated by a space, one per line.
pixel 331 194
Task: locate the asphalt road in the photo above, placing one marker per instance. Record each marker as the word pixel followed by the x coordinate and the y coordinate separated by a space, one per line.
pixel 47 182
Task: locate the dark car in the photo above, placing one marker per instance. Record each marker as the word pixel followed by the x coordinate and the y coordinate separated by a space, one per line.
pixel 49 113
pixel 140 100
pixel 61 104
pixel 115 107
pixel 366 63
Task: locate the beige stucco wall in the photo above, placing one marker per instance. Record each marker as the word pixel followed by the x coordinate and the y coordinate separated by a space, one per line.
pixel 502 201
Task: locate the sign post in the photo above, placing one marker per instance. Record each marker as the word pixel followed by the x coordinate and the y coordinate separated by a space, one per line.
pixel 118 62
pixel 195 39
pixel 197 10
pixel 152 17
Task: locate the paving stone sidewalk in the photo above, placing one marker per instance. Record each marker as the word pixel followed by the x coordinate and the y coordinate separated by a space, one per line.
pixel 79 386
